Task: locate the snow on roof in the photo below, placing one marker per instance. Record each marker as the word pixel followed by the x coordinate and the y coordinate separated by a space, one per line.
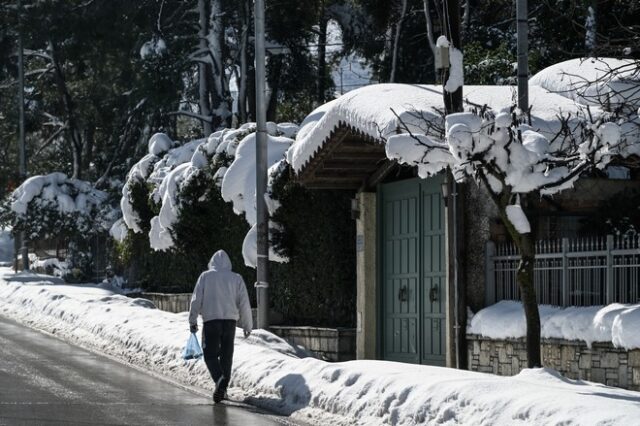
pixel 374 111
pixel 593 81
pixel 369 110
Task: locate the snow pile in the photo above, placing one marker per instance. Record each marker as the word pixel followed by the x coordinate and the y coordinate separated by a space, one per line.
pixel 616 323
pixel 52 266
pixel 269 372
pixel 604 82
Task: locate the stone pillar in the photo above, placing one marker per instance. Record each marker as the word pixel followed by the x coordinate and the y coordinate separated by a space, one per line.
pixel 367 286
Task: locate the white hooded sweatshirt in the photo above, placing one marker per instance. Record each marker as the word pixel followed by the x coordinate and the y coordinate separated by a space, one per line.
pixel 220 293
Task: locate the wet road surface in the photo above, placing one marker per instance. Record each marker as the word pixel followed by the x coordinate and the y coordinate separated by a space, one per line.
pixel 45 381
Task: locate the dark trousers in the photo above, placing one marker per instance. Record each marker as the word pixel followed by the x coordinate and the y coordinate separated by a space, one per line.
pixel 217 344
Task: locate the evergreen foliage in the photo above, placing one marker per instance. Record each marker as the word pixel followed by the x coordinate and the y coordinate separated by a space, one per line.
pixel 316 232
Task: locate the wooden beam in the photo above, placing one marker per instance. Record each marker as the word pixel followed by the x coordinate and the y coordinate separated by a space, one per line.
pixel 378 176
pixel 359 156
pixel 354 164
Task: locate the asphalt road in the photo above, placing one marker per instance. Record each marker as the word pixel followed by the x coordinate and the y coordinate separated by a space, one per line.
pixel 45 381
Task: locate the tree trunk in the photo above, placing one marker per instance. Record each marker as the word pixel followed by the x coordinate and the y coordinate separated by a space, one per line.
pixel 74 134
pixel 273 80
pixel 242 84
pixel 529 302
pixel 396 43
pixel 204 69
pixel 220 102
pixel 322 58
pixel 525 277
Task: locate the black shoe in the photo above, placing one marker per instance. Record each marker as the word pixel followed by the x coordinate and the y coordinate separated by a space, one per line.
pixel 221 389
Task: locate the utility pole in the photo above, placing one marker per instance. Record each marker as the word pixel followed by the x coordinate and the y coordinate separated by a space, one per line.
pixel 262 222
pixel 23 153
pixel 523 55
pixel 453 104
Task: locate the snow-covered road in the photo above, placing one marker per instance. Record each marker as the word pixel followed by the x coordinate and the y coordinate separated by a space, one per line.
pixel 270 373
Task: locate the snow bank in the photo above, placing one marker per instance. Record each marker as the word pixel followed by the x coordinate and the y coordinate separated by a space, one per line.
pixel 268 372
pixel 616 323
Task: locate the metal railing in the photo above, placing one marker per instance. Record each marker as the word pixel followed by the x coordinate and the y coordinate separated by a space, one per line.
pixel 570 272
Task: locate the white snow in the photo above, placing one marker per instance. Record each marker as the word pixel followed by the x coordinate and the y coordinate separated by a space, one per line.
pixel 616 323
pixel 269 372
pixel 593 81
pixel 370 110
pixel 239 187
pixel 518 219
pixel 58 192
pixel 166 171
pixel 456 68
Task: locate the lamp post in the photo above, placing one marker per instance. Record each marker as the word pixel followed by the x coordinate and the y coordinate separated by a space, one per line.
pixel 262 220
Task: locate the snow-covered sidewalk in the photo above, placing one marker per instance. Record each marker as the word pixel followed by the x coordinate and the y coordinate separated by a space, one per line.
pixel 270 373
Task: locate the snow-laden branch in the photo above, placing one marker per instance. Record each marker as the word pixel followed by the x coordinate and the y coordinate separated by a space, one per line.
pixel 511 155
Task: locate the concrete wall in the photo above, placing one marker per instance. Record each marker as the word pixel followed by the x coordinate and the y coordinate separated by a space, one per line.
pixel 367 287
pixel 601 363
pixel 330 344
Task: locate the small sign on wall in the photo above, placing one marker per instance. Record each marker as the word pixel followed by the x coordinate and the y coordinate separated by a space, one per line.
pixel 359 243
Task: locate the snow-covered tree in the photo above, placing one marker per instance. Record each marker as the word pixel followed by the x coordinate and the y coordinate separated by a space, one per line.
pixel 509 159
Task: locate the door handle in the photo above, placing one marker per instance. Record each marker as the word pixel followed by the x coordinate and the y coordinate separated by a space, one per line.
pixel 403 294
pixel 433 294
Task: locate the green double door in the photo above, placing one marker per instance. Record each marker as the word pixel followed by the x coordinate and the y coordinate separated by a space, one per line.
pixel 413 276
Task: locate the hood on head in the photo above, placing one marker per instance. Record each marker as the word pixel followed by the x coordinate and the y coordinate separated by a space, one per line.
pixel 220 261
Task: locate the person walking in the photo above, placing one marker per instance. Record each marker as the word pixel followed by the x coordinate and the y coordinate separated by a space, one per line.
pixel 220 296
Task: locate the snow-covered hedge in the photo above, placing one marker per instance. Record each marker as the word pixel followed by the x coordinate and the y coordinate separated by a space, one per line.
pixel 52 205
pixel 168 169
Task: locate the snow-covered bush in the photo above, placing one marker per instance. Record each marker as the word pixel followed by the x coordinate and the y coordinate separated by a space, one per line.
pixel 54 206
pixel 172 204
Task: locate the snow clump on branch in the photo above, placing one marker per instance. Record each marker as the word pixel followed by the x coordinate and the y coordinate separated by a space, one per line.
pixel 506 152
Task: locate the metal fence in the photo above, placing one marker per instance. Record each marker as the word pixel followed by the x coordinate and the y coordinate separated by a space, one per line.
pixel 570 272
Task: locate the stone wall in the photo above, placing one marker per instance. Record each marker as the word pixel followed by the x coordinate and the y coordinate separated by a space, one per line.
pixel 330 344
pixel 601 363
pixel 175 303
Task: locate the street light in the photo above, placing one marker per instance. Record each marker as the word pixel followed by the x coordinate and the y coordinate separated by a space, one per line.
pixel 262 220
